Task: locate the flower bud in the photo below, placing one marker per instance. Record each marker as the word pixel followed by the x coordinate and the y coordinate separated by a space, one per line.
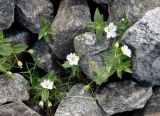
pixel 20 64
pixel 116 45
pixel 31 51
pixel 123 19
pixel 49 104
pixel 86 88
pixel 9 74
pixel 41 103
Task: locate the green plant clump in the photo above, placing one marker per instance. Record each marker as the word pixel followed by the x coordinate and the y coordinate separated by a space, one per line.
pixel 7 53
pixel 98 24
pixel 117 59
pixel 45 30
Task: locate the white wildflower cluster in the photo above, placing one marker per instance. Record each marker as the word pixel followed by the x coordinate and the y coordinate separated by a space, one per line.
pixel 111 32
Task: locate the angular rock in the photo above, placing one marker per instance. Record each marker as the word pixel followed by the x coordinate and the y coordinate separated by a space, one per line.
pixel 28 14
pixel 43 55
pixel 135 9
pixel 13 90
pixel 70 21
pixel 83 42
pixel 152 108
pixel 88 44
pixel 6 13
pixel 16 109
pixel 144 40
pixel 76 104
pixel 89 48
pixel 19 37
pixel 123 96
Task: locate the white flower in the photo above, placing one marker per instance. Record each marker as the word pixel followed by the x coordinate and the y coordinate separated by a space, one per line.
pixel 41 103
pixel 72 59
pixel 111 30
pixel 47 84
pixel 49 104
pixel 126 51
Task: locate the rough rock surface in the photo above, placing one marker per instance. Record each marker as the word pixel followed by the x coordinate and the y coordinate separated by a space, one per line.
pixel 43 55
pixel 102 1
pixel 89 48
pixel 70 21
pixel 123 96
pixel 16 109
pixel 19 37
pixel 88 44
pixel 6 13
pixel 89 69
pixel 13 90
pixel 83 42
pixel 152 108
pixel 134 9
pixel 144 40
pixel 28 14
pixel 76 104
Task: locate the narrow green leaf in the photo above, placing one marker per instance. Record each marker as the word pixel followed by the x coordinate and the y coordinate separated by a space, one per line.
pixel 5 50
pixel 42 22
pixel 119 73
pixel 99 33
pixel 128 70
pixel 92 25
pixel 2 60
pixel 97 16
pixel 66 65
pixel 7 66
pixel 19 48
pixel 1 35
pixel 2 69
pixel 6 40
pixel 45 95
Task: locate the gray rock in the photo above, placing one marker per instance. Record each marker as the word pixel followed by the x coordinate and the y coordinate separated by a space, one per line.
pixel 70 21
pixel 153 105
pixel 13 90
pixel 28 14
pixel 152 108
pixel 102 1
pixel 89 69
pixel 43 55
pixel 89 48
pixel 6 13
pixel 83 42
pixel 134 9
pixel 123 96
pixel 88 44
pixel 76 104
pixel 16 109
pixel 144 40
pixel 19 37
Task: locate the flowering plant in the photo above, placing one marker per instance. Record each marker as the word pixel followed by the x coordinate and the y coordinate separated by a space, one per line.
pixel 43 88
pixel 45 30
pixel 7 53
pixel 117 60
pixel 98 24
pixel 72 62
